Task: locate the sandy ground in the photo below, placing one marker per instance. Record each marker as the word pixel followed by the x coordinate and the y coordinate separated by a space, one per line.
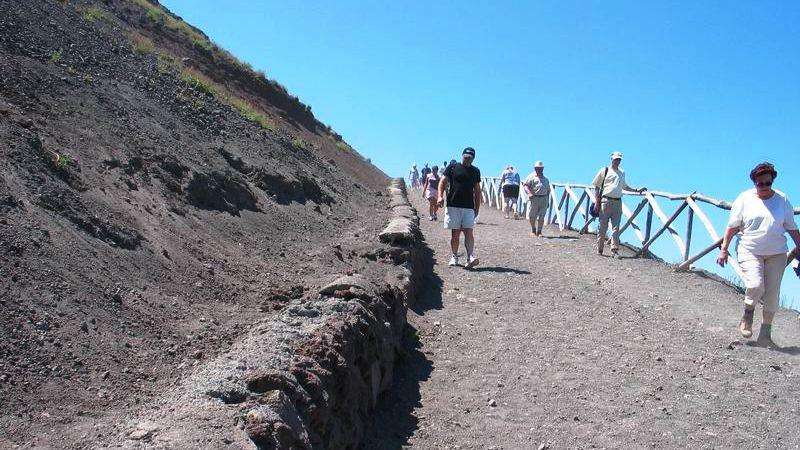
pixel 548 345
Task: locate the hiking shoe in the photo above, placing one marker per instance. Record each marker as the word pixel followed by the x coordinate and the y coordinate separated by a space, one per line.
pixel 453 261
pixel 746 325
pixel 472 262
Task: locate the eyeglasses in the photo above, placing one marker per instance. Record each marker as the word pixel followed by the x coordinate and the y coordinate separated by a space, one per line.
pixel 763 183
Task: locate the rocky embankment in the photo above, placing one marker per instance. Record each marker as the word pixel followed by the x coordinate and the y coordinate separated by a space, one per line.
pixel 308 377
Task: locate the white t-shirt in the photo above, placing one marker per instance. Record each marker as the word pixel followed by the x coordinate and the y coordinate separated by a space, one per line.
pixel 614 184
pixel 763 223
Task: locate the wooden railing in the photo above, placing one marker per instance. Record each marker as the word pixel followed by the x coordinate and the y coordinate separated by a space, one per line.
pixel 569 201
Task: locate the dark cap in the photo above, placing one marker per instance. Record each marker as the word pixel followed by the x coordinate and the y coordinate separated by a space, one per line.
pixel 469 151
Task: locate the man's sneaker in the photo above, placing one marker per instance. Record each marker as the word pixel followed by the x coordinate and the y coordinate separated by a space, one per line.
pixel 472 262
pixel 746 325
pixel 453 261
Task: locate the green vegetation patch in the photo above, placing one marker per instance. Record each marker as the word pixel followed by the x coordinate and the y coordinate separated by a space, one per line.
pixel 198 81
pixel 94 14
pixel 142 45
pixel 56 56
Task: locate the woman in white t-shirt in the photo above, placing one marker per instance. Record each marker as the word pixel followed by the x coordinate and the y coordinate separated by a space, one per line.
pixel 763 216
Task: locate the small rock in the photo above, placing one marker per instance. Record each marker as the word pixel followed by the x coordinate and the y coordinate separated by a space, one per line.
pixel 437 324
pixel 197 354
pixel 492 403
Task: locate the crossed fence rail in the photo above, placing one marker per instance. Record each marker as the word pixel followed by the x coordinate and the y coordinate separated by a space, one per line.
pixel 569 201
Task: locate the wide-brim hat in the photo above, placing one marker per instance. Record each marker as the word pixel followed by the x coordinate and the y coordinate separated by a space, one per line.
pixel 616 155
pixel 538 164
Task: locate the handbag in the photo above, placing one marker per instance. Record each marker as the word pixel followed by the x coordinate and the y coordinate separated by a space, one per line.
pixel 594 210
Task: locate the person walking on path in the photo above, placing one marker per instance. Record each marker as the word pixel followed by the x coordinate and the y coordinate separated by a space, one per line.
pixel 509 185
pixel 763 216
pixel 423 174
pixel 462 181
pixel 537 187
pixel 413 175
pixel 609 184
pixel 431 192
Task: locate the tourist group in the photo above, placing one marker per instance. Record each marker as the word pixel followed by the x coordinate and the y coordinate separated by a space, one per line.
pixel 761 216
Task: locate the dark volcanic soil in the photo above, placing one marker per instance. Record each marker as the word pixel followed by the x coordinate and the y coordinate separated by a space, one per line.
pixel 144 225
pixel 547 345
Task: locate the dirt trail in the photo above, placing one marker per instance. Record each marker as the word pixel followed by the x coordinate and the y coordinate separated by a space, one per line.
pixel 548 344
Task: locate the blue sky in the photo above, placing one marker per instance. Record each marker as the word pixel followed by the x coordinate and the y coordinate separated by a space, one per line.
pixel 694 93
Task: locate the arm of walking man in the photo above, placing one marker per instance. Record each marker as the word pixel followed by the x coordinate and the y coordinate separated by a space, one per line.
pixel 442 188
pixel 477 197
pixel 627 187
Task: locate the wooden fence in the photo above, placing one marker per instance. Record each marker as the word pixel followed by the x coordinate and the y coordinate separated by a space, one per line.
pixel 570 203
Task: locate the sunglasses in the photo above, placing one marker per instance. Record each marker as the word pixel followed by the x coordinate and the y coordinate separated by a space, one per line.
pixel 764 184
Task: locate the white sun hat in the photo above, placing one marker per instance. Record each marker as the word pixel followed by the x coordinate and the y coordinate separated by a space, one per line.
pixel 538 164
pixel 616 155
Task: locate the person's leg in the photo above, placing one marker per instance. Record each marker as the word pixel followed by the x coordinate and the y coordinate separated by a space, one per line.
pixel 455 236
pixel 469 241
pixel 774 267
pixel 602 226
pixel 753 279
pixel 533 214
pixel 431 207
pixel 616 218
pixel 542 203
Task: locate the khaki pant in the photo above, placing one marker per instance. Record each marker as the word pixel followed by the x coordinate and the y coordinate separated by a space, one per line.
pixel 537 207
pixel 762 279
pixel 610 210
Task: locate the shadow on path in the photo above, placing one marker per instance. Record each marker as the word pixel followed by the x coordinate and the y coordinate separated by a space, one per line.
pixel 788 350
pixel 498 270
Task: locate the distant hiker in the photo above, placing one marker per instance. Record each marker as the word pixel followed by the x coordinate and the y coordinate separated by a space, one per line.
pixel 425 171
pixel 413 175
pixel 762 215
pixel 431 192
pixel 462 181
pixel 537 186
pixel 609 183
pixel 509 185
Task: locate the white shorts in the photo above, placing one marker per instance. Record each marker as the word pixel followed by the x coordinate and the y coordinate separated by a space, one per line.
pixel 458 218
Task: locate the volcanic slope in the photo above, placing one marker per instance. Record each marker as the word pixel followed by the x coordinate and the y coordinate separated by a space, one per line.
pixel 156 195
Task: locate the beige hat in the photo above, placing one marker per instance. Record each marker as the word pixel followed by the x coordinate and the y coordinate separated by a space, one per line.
pixel 616 155
pixel 538 164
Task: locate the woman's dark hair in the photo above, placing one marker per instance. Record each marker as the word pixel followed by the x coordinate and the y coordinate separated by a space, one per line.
pixel 763 169
pixel 435 169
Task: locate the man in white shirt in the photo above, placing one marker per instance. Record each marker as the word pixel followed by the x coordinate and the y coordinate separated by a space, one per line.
pixel 609 184
pixel 537 186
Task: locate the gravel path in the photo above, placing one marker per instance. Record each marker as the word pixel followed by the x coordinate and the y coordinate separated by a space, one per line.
pixel 547 344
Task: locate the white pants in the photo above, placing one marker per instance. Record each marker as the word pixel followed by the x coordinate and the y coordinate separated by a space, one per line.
pixel 762 279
